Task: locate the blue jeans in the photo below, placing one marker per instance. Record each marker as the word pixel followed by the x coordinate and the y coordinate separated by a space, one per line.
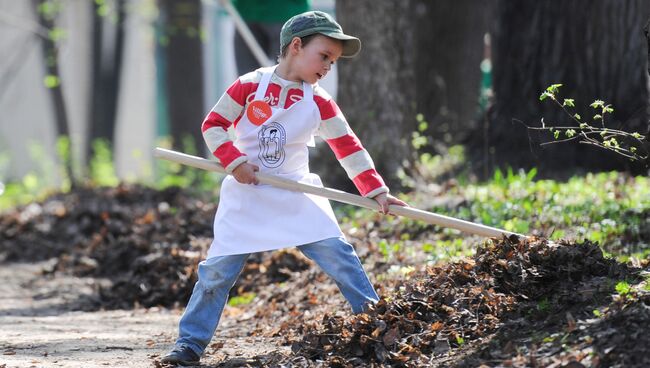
pixel 217 275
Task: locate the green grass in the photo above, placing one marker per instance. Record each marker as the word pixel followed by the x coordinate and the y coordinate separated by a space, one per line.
pixel 243 299
pixel 49 176
pixel 608 208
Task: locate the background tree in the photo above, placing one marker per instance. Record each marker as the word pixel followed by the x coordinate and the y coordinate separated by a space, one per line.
pixel 107 52
pixel 647 36
pixel 596 49
pixel 182 50
pixel 46 13
pixel 450 48
pixel 417 57
pixel 376 91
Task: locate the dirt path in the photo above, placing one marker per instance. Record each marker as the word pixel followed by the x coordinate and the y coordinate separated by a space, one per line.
pixel 42 325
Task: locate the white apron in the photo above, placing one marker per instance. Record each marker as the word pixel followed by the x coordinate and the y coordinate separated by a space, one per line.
pixel 254 218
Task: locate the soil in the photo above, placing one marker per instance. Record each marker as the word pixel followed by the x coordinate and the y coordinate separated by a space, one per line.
pixel 44 325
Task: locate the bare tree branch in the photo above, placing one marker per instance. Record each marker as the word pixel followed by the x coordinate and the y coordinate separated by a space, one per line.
pixel 25 24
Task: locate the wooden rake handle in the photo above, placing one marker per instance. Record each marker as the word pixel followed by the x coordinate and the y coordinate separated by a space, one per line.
pixel 340 196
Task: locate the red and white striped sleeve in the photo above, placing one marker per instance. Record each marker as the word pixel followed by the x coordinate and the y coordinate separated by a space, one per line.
pixel 347 148
pixel 225 113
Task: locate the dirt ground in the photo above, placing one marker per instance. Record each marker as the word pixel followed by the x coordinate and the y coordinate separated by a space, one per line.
pixel 42 326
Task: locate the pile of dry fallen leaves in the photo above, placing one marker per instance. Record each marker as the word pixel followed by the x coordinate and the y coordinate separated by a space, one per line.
pixel 456 304
pixel 146 242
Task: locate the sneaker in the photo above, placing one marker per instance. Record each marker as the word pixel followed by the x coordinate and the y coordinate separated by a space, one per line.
pixel 182 355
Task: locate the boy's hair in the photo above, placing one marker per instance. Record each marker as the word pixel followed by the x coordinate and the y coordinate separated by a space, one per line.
pixel 304 40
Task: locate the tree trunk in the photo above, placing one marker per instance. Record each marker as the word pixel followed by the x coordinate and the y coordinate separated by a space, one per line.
pixel 450 48
pixel 376 91
pixel 418 57
pixel 594 48
pixel 646 30
pixel 184 73
pixel 51 62
pixel 107 51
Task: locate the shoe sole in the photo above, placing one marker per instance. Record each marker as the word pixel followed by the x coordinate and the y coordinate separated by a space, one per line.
pixel 184 363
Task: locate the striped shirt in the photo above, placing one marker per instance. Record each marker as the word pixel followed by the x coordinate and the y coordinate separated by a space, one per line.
pixel 333 128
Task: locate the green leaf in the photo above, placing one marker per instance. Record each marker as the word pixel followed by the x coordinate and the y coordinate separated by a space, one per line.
pixel 633 149
pixel 102 10
pixel 543 96
pixel 553 87
pixel 43 8
pixel 30 182
pixel 597 104
pixel 49 9
pixel 102 170
pixel 637 135
pixel 556 134
pixel 543 305
pixel 612 142
pixel 577 116
pixel 548 339
pixel 56 34
pixel 608 109
pixel 623 288
pixel 63 147
pixel 584 125
pixel 598 117
pixel 418 140
pixel 51 81
pixel 570 133
pixel 243 299
pixel 568 102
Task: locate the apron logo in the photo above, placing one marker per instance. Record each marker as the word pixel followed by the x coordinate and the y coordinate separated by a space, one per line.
pixel 272 138
pixel 258 112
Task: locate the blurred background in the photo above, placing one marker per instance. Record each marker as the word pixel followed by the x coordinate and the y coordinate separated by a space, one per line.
pixel 119 75
pixel 526 115
pixel 440 89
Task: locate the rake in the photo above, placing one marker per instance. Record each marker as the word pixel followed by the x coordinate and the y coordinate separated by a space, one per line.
pixel 341 196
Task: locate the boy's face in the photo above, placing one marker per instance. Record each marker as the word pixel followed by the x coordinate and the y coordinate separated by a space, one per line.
pixel 314 61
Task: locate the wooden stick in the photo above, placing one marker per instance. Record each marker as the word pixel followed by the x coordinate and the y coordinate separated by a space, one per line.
pixel 341 196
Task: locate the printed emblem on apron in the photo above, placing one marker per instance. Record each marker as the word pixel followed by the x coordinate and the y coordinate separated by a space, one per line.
pixel 258 112
pixel 272 139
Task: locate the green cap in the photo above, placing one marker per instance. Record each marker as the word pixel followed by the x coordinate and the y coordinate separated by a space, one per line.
pixel 312 22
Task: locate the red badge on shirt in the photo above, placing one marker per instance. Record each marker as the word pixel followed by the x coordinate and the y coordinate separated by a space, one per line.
pixel 258 112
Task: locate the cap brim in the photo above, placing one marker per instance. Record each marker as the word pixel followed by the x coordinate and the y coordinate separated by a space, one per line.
pixel 351 44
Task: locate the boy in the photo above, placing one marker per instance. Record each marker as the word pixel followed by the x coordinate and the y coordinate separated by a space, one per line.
pixel 276 112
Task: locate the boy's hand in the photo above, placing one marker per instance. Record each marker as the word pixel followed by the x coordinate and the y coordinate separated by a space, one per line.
pixel 385 199
pixel 245 173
